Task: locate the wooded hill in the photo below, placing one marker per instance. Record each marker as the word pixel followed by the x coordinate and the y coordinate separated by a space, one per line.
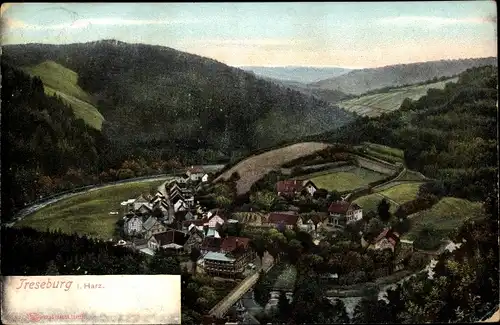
pixel 361 81
pixel 449 134
pixel 159 101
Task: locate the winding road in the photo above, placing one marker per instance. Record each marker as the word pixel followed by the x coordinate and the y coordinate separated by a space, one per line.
pixel 42 204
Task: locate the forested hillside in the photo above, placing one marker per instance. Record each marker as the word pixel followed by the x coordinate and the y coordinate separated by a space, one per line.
pixel 362 81
pixel 160 102
pixel 449 134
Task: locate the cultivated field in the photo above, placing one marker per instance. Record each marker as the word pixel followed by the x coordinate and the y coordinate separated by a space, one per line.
pixel 251 218
pixel 88 214
pixel 346 180
pixel 254 168
pixel 446 215
pixel 377 104
pixel 63 82
pixel 389 154
pixel 402 193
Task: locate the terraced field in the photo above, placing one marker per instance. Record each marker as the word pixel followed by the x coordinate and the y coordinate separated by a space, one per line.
pixel 389 154
pixel 89 213
pixel 346 180
pixel 446 215
pixel 402 193
pixel 58 80
pixel 377 104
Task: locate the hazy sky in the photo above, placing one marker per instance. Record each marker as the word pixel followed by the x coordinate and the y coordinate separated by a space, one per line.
pixel 271 34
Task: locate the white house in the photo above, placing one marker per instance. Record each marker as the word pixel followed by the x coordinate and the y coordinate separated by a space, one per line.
pixel 310 187
pixel 133 226
pixel 204 178
pixel 343 212
pixel 195 173
pixel 181 205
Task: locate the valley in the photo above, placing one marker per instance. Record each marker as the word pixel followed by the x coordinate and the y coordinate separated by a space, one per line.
pixel 235 146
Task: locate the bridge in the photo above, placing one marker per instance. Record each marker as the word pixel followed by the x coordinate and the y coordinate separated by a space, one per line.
pixel 223 306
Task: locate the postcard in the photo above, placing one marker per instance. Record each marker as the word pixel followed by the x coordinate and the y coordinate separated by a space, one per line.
pixel 249 163
pixel 92 299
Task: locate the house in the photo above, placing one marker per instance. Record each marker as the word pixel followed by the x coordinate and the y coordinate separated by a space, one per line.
pixel 210 244
pixel 309 187
pixel 197 223
pixel 284 219
pixel 204 178
pixel 194 241
pixel 152 226
pixel 312 222
pixel 343 213
pixel 214 219
pixel 292 188
pixel 204 231
pixel 133 226
pixel 195 174
pixel 139 243
pixel 231 259
pixel 170 239
pixel 387 239
pixel 140 202
pixel 181 205
pixel 289 188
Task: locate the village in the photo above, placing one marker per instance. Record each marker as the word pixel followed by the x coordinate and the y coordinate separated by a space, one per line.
pixel 214 241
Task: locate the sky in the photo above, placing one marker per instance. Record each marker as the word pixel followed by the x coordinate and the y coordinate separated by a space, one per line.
pixel 321 34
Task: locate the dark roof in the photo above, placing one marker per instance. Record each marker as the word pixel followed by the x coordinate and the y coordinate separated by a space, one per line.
pixel 197 222
pixel 211 244
pixel 307 182
pixel 171 237
pixel 139 241
pixel 287 218
pixel 231 243
pixel 391 235
pixel 289 186
pixel 339 207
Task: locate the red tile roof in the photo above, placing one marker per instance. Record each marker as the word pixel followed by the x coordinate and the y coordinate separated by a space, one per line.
pixel 289 186
pixel 339 207
pixel 392 236
pixel 287 218
pixel 231 243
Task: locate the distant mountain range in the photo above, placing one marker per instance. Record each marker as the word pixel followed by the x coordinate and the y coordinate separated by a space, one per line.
pixel 297 74
pixel 364 80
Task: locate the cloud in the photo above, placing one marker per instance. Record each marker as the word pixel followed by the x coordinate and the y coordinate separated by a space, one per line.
pixel 85 23
pixel 435 21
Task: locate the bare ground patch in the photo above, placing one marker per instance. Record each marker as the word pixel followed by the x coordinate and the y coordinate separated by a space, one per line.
pixel 256 167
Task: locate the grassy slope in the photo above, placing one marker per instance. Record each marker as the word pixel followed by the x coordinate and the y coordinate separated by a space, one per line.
pixel 345 181
pixel 254 168
pixel 371 201
pixel 402 193
pixel 374 105
pixel 88 213
pixel 64 82
pixel 445 215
